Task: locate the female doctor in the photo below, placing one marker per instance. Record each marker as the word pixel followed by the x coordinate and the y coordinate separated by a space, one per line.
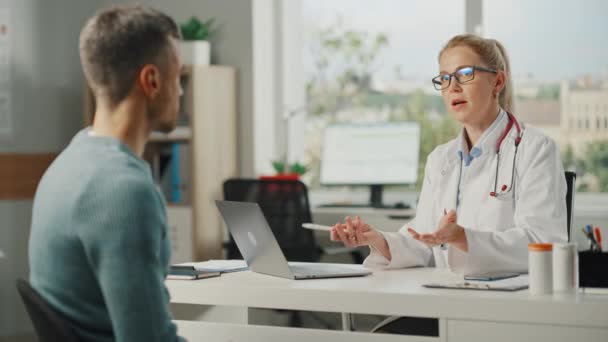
pixel 487 193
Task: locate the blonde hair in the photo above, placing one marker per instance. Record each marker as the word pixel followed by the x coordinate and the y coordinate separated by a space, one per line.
pixel 493 53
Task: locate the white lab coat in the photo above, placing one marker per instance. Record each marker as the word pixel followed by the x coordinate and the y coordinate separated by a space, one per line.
pixel 497 230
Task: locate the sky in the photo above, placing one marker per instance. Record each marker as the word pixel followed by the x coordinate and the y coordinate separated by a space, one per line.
pixel 552 40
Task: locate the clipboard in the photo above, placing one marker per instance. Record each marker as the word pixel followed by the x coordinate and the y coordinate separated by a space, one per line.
pixel 509 285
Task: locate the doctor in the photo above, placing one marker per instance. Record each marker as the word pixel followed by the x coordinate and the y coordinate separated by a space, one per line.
pixel 486 194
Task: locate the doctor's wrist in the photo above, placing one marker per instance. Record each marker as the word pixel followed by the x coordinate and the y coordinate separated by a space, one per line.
pixel 460 241
pixel 380 244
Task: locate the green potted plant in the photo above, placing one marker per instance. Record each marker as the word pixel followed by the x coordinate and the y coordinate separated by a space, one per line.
pixel 293 172
pixel 195 48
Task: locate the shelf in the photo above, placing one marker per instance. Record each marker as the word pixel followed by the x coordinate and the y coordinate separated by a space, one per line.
pixel 179 134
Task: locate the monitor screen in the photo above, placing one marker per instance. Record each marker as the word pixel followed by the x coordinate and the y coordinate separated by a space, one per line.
pixel 368 154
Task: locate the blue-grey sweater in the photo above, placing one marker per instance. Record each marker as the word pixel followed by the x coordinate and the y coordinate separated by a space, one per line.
pixel 99 250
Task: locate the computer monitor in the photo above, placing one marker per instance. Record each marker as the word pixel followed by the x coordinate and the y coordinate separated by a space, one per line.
pixel 371 154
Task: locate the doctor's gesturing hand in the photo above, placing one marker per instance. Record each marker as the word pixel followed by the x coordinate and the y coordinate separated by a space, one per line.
pixel 355 233
pixel 448 231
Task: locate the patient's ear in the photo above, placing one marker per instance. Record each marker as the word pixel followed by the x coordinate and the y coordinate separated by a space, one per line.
pixel 149 80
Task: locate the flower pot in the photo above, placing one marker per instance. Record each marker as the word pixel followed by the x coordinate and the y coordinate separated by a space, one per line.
pixel 195 52
pixel 282 176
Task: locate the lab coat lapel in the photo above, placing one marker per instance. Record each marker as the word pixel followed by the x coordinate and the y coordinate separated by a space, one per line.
pixel 450 174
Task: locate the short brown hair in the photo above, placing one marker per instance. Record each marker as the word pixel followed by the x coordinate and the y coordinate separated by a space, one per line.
pixel 494 54
pixel 117 42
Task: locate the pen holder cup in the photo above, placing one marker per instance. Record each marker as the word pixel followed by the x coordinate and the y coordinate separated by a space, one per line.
pixel 593 269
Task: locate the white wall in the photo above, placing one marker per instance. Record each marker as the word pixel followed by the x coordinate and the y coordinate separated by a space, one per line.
pixel 266 90
pixel 46 87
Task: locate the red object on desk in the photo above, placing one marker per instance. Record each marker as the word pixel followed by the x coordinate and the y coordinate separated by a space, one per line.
pixel 282 176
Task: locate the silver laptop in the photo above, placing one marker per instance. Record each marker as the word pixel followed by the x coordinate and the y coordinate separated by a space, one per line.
pixel 261 251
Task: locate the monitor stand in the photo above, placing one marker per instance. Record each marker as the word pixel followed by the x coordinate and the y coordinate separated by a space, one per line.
pixel 375 199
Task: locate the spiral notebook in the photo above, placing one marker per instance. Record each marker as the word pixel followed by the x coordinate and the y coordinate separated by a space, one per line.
pixel 511 284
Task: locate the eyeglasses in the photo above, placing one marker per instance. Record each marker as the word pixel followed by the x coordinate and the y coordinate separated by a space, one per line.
pixel 463 75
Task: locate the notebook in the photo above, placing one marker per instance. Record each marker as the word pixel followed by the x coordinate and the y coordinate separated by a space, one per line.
pixel 222 266
pixel 189 273
pixel 511 284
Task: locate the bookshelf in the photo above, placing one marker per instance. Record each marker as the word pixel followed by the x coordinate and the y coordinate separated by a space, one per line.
pixel 205 141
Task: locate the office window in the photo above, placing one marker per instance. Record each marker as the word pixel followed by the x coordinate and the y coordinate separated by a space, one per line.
pixel 574 55
pixel 372 62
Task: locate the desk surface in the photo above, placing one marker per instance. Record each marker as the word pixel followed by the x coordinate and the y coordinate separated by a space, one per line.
pixel 394 292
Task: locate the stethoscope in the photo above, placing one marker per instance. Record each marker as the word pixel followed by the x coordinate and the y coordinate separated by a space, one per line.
pixel 504 189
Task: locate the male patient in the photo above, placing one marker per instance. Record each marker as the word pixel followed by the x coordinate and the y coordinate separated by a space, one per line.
pixel 99 249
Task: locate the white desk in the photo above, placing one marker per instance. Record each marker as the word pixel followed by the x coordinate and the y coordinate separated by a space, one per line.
pixel 464 315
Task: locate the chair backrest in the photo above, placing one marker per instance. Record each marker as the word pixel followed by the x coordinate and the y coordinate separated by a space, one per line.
pixel 285 205
pixel 48 323
pixel 571 190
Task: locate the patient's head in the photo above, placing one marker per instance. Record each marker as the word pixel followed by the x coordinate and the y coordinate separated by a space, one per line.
pixel 131 51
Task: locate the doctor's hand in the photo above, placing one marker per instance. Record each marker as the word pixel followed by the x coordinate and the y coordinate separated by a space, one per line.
pixel 448 231
pixel 355 233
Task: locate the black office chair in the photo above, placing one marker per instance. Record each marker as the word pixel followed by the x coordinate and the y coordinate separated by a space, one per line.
pixel 50 326
pixel 285 206
pixel 571 190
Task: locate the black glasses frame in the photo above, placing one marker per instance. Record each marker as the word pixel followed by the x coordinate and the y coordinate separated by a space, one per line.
pixel 437 79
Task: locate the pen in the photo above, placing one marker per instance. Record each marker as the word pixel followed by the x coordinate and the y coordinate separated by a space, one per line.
pixel 589 235
pixel 316 226
pixel 589 229
pixel 598 238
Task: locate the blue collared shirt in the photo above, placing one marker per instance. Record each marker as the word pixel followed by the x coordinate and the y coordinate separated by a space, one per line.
pixel 467 157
